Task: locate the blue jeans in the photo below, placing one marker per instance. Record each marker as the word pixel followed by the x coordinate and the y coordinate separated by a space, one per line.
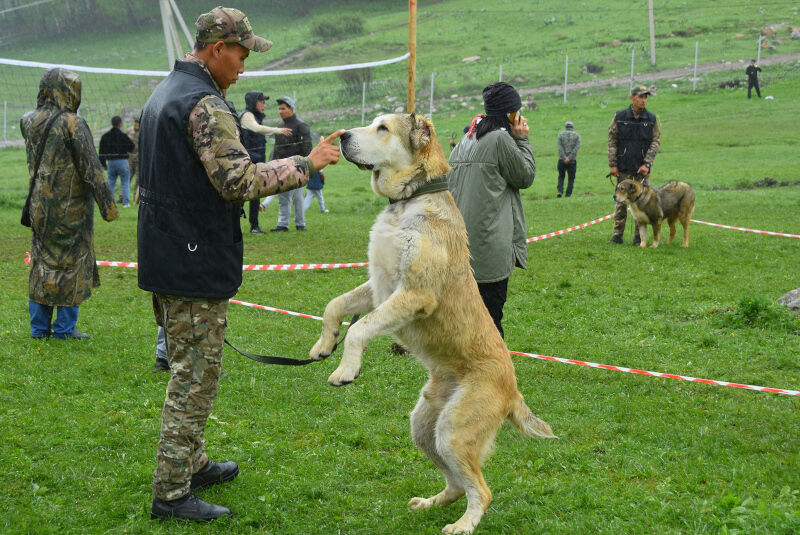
pixel 120 168
pixel 42 316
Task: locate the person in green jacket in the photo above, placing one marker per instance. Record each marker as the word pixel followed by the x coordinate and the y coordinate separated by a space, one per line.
pixel 491 164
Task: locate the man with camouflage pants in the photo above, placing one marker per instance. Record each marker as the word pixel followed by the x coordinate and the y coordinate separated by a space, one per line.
pixel 633 140
pixel 195 173
pixel 68 182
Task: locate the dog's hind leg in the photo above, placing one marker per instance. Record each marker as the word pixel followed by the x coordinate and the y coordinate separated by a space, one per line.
pixel 397 311
pixel 656 232
pixel 423 431
pixel 355 301
pixel 465 436
pixel 685 223
pixel 671 221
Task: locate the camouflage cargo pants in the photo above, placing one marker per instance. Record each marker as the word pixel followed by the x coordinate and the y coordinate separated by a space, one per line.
pixel 621 209
pixel 195 330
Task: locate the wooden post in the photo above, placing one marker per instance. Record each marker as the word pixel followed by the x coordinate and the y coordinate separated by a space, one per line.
pixel 412 51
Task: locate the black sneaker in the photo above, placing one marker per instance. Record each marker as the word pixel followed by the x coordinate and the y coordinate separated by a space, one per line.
pixel 559 195
pixel 190 507
pixel 256 230
pixel 301 228
pixel 213 473
pixel 75 335
pixel 161 365
pixel 39 336
pixel 616 238
pixel 279 229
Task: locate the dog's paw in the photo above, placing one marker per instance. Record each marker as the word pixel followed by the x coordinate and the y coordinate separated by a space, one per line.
pixel 420 504
pixel 458 527
pixel 343 375
pixel 323 348
pixel 653 246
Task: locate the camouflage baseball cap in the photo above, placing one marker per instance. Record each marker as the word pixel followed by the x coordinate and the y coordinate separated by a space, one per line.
pixel 640 90
pixel 229 26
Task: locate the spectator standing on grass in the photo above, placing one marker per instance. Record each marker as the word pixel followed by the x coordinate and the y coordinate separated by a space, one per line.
pixel 255 141
pixel 752 71
pixel 491 164
pixel 634 136
pixel 314 189
pixel 133 159
pixel 296 144
pixel 195 172
pixel 68 182
pixel 569 141
pixel 115 148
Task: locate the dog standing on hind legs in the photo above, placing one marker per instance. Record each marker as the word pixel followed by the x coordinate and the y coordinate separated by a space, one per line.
pixel 421 290
pixel 672 201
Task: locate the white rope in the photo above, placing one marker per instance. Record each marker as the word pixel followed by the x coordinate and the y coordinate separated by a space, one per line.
pixel 251 74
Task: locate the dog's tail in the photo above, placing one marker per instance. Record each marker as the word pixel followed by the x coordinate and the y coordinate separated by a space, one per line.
pixel 527 422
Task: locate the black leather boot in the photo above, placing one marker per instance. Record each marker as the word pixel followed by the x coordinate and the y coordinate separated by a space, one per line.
pixel 190 507
pixel 213 473
pixel 616 238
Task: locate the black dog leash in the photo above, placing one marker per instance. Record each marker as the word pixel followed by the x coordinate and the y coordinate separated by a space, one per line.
pixel 286 361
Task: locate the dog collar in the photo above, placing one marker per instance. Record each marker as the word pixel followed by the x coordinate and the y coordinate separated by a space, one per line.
pixel 434 186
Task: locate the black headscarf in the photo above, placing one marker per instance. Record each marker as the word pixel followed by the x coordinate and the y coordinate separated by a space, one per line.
pixel 250 100
pixel 500 98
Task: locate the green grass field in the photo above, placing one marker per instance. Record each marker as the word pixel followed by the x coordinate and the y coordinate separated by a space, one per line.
pixel 79 420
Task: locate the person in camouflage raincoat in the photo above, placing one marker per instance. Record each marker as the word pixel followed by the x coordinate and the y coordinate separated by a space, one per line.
pixel 70 180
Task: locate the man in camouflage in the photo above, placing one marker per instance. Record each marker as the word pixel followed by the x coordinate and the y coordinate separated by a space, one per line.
pixel 195 173
pixel 633 140
pixel 70 180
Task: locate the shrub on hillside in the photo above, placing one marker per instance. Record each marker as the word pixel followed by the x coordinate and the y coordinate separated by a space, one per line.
pixel 337 27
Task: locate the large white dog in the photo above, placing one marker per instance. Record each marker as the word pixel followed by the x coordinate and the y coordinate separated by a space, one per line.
pixel 421 290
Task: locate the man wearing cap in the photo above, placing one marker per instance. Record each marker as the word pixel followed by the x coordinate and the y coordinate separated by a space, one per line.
pixel 569 141
pixel 254 140
pixel 752 71
pixel 633 140
pixel 298 143
pixel 195 172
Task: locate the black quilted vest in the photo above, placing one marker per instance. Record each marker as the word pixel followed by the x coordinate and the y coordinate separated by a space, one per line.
pixel 633 138
pixel 255 143
pixel 189 238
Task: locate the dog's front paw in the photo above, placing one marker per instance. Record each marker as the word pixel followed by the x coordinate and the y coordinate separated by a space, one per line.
pixel 323 348
pixel 343 375
pixel 653 246
pixel 420 504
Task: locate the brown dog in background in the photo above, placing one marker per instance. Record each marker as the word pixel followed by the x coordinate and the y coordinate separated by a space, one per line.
pixel 649 206
pixel 421 291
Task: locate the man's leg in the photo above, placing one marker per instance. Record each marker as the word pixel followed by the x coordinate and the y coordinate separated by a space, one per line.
pixel 749 88
pixel 561 170
pixel 66 320
pixel 318 194
pixel 125 174
pixel 299 212
pixel 112 176
pixel 758 89
pixel 571 173
pixel 41 318
pixel 620 214
pixel 307 200
pixel 253 214
pixel 494 298
pixel 284 211
pixel 162 361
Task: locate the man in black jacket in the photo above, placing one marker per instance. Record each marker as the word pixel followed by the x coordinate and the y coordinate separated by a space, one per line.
pixel 296 144
pixel 752 71
pixel 634 136
pixel 115 147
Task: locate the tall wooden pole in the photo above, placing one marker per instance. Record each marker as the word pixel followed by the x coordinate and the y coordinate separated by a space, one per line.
pixel 652 33
pixel 412 51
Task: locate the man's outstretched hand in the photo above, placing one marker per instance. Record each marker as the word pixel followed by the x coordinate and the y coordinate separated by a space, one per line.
pixel 325 152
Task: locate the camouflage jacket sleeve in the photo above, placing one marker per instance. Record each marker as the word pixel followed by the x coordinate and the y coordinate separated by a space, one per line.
pixel 653 149
pixel 612 142
pixel 87 165
pixel 215 138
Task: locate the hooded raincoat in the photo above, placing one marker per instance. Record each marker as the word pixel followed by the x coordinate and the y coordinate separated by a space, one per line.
pixel 70 180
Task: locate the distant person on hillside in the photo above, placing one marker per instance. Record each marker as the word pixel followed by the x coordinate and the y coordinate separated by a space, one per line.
pixel 752 71
pixel 115 148
pixel 634 136
pixel 298 143
pixel 133 159
pixel 195 173
pixel 255 141
pixel 490 166
pixel 569 141
pixel 67 181
pixel 314 189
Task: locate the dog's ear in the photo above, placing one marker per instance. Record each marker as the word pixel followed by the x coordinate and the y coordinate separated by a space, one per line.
pixel 420 132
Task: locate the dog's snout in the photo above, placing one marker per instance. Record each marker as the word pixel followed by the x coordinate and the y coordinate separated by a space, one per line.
pixel 345 136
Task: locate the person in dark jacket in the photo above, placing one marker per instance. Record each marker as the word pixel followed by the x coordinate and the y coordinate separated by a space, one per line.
pixel 195 173
pixel 115 148
pixel 752 71
pixel 255 141
pixel 296 144
pixel 69 181
pixel 634 136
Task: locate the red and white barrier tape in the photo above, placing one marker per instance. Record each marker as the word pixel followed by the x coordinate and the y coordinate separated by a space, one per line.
pixel 578 362
pixel 564 231
pixel 747 229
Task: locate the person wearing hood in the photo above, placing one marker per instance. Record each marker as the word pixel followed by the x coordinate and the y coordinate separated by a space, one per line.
pixel 254 140
pixel 490 166
pixel 68 182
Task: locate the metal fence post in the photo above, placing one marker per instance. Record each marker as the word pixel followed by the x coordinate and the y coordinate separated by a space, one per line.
pixel 501 74
pixel 363 100
pixel 5 109
pixel 632 53
pixel 566 71
pixel 758 54
pixel 694 79
pixel 431 108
